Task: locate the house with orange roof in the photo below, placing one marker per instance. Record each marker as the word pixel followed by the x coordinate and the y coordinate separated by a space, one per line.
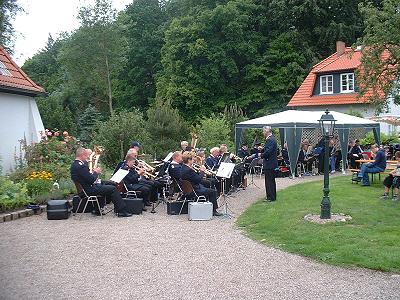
pixel 19 114
pixel 332 84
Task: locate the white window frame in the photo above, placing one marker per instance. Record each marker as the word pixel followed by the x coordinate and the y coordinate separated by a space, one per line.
pixel 327 79
pixel 3 70
pixel 346 76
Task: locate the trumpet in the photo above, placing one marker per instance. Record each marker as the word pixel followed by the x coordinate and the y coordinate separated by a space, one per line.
pixel 146 166
pixel 196 167
pixel 147 174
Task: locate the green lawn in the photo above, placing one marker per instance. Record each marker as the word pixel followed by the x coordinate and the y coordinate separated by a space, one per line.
pixel 370 240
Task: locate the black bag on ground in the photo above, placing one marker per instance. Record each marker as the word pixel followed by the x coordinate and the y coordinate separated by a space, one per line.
pixel 134 205
pixel 173 208
pixel 75 203
pixel 58 209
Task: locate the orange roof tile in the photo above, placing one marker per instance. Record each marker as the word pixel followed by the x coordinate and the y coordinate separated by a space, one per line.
pixel 349 60
pixel 18 79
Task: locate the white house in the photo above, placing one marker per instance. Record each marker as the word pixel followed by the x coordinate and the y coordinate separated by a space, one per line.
pixel 332 84
pixel 19 114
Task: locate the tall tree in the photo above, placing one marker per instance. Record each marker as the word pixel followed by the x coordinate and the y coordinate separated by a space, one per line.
pixel 143 23
pixel 8 11
pixel 94 54
pixel 380 72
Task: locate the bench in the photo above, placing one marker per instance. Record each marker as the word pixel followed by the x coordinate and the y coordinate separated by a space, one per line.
pixel 390 166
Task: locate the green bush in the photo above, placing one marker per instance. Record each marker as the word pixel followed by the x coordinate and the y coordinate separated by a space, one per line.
pixel 38 186
pixel 117 133
pixel 385 139
pixel 214 131
pixel 12 195
pixel 166 128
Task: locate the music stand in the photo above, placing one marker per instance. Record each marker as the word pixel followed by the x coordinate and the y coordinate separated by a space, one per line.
pixel 252 165
pixel 225 171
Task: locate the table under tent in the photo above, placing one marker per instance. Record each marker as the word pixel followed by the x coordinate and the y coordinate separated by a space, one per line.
pixel 291 124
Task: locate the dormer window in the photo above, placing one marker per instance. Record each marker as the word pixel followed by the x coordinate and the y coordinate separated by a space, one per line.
pixel 347 83
pixel 327 84
pixel 3 70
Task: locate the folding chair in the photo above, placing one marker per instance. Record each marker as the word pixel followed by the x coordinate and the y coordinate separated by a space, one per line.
pixel 92 199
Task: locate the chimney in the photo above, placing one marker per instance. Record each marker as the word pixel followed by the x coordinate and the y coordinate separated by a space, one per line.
pixel 340 48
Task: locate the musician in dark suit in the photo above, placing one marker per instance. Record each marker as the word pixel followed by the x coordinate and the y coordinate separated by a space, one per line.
pixel 214 160
pixel 175 168
pixel 270 163
pixel 256 149
pixel 132 179
pixel 80 173
pixel 187 173
pixel 243 151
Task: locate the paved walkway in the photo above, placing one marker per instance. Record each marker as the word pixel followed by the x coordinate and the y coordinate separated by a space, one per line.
pixel 156 256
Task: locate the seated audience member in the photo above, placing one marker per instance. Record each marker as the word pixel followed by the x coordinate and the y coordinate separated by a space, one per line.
pixel 332 155
pixel 393 179
pixel 256 149
pixel 195 179
pixel 355 153
pixel 378 165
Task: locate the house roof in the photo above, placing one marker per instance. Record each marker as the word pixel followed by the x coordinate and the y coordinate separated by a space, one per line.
pixel 349 60
pixel 18 82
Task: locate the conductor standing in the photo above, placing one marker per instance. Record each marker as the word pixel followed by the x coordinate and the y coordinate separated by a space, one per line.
pixel 270 163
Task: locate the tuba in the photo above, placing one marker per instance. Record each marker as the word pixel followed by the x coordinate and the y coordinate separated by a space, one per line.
pixel 94 157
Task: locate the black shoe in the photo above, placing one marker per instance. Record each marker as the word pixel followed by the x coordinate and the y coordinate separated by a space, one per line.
pixel 144 209
pixel 217 214
pixel 124 214
pixel 147 204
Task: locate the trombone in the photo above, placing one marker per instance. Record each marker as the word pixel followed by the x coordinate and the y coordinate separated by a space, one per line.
pixel 147 174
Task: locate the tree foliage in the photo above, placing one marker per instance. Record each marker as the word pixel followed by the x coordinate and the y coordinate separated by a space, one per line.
pixel 117 133
pixel 214 131
pixel 379 75
pixel 8 11
pixel 166 128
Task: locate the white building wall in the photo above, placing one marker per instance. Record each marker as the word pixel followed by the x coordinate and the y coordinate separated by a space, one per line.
pixel 19 119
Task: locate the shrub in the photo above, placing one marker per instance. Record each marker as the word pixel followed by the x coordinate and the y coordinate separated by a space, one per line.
pixel 39 183
pixel 166 128
pixel 385 139
pixel 117 133
pixel 12 195
pixel 214 131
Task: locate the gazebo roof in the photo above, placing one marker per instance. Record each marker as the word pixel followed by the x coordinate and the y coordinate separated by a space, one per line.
pixel 305 119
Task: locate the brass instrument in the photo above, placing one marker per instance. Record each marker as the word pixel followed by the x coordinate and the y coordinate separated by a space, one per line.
pixel 146 166
pixel 94 157
pixel 193 143
pixel 196 167
pixel 147 174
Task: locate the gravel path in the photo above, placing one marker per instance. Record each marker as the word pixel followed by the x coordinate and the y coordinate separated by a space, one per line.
pixel 156 256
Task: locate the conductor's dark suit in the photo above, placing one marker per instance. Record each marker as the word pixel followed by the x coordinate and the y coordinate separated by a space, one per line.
pixel 195 179
pixel 270 163
pixel 80 173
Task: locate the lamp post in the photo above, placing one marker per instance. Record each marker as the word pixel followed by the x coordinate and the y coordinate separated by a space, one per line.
pixel 327 123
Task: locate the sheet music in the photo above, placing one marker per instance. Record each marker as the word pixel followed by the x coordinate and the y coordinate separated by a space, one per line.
pixel 225 170
pixel 168 157
pixel 119 175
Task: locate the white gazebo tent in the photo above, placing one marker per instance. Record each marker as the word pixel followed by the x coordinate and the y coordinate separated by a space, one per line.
pixel 292 122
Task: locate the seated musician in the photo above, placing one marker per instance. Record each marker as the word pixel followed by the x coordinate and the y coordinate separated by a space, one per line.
pixel 257 148
pixel 243 151
pixel 132 179
pixel 152 184
pixel 80 174
pixel 378 165
pixel 214 160
pixel 136 145
pixel 195 178
pixel 393 180
pixel 184 145
pixel 175 167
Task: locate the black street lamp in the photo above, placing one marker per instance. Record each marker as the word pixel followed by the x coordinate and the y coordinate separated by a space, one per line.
pixel 327 123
